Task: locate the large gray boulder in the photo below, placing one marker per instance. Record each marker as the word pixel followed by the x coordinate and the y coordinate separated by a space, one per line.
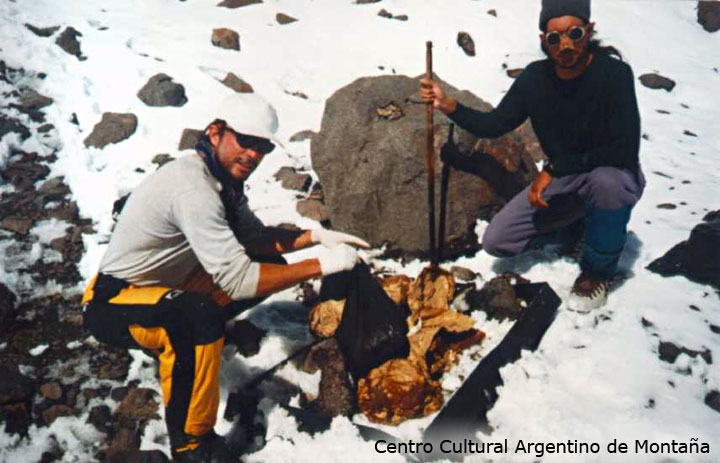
pixel 112 128
pixel 370 159
pixel 160 90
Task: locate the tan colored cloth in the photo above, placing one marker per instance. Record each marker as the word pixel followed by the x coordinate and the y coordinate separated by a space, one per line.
pixel 325 317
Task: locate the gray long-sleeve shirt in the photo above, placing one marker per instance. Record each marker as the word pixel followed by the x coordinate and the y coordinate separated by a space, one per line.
pixel 175 220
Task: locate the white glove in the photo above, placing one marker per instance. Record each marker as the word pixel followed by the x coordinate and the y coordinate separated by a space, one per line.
pixel 331 238
pixel 338 259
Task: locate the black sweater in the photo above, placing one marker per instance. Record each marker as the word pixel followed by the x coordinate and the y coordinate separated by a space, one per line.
pixel 583 123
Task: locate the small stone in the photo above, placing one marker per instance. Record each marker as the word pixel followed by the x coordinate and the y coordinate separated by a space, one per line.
pixel 112 128
pixel 302 136
pixel 312 209
pixel 712 400
pixel 708 15
pixel 226 38
pixel 32 100
pixel 45 128
pixel 160 90
pixel 462 273
pixel 283 19
pixel 715 329
pixel 42 31
pixel 297 94
pixel 385 13
pixel 666 206
pixel 189 139
pixel 290 179
pixel 238 3
pixel 119 393
pixel 138 405
pixel 234 82
pixel 492 12
pixel 51 390
pixel 689 133
pixel 101 417
pixel 68 41
pixel 162 159
pixel 655 81
pixel 55 411
pixel 401 17
pixel 366 2
pixel 16 224
pixel 465 41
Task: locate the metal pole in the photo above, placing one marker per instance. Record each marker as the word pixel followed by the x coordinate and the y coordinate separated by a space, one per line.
pixel 430 161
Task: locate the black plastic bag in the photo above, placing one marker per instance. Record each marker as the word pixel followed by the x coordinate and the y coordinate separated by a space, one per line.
pixel 373 329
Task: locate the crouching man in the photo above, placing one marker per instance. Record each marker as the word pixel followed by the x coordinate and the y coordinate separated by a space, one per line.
pixel 581 101
pixel 186 251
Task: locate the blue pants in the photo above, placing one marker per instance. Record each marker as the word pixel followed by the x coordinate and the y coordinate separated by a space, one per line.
pixel 607 195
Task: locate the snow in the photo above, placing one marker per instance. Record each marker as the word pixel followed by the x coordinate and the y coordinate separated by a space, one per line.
pixel 38 350
pixel 593 377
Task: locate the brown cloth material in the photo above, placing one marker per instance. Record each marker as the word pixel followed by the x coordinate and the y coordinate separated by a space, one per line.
pixel 409 388
pixel 325 317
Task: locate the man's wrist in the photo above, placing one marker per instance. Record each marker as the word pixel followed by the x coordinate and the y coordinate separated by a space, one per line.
pixel 448 105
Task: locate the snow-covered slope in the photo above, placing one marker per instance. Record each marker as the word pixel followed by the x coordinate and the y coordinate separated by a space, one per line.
pixel 595 378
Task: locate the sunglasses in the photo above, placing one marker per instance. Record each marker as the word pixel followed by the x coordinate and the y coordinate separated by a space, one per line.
pixel 259 144
pixel 576 34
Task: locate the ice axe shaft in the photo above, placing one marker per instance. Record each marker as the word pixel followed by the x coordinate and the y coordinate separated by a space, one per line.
pixel 445 180
pixel 430 161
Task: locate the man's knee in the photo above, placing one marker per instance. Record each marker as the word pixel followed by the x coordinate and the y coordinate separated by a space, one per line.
pixel 609 188
pixel 205 317
pixel 494 242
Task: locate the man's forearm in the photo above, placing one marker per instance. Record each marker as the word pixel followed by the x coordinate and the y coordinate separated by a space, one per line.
pixel 279 241
pixel 275 278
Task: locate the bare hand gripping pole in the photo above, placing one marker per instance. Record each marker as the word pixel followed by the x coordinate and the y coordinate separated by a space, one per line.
pixel 429 159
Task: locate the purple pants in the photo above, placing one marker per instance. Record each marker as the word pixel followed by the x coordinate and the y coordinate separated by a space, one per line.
pixel 603 188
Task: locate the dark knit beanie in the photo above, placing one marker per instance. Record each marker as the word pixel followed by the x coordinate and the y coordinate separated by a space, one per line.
pixel 556 8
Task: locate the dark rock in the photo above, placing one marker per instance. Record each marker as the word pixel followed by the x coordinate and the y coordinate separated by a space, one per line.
pixel 16 417
pixel 385 13
pixel 712 399
pixel 238 3
pixel 54 189
pixel 125 439
pixel 138 405
pixel 237 84
pixel 492 12
pixel 497 297
pixel 365 2
pixel 401 17
pixel 656 81
pixel 74 119
pixel 666 206
pixel 298 94
pixel 698 258
pixel 313 209
pixel 462 273
pixel 51 390
pixel 370 159
pixel 67 40
pixel 160 90
pixel 466 43
pixel 514 73
pixel 42 31
pixel 282 18
pixel 708 15
pixel 669 352
pixel 162 159
pixel 137 456
pixel 119 393
pixel 7 304
pixel 226 38
pixel 303 135
pixel 246 336
pixel 189 139
pixel 8 124
pixel 336 395
pixel 32 101
pixel 101 417
pixel 17 224
pixel 113 370
pixel 54 411
pixel 45 128
pixel 112 128
pixel 14 387
pixel 290 179
pixel 689 133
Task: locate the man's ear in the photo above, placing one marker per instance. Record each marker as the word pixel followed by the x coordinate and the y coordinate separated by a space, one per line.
pixel 214 134
pixel 591 29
